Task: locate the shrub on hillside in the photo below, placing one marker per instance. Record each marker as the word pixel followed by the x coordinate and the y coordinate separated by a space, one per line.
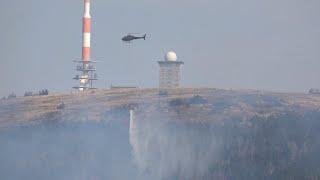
pixel 197 99
pixel 28 93
pixel 184 102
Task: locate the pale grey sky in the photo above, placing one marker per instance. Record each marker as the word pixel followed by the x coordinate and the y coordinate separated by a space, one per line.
pixel 256 44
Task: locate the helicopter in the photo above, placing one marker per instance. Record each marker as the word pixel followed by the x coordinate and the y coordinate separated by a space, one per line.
pixel 128 38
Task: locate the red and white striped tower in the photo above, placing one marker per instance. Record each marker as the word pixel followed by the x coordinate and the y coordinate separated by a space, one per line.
pixel 86 65
pixel 86 51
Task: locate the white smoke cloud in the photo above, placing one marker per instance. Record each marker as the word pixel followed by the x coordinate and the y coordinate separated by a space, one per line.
pixel 165 149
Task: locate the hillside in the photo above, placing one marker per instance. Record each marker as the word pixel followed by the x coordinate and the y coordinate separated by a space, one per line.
pixel 93 105
pixel 174 134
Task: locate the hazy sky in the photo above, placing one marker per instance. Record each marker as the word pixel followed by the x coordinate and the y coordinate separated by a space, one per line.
pixel 256 44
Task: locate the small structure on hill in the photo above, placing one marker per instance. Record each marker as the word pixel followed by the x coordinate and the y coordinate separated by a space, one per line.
pixel 314 91
pixel 12 96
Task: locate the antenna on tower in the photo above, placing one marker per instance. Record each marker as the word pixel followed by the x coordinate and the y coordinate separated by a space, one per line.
pixel 86 67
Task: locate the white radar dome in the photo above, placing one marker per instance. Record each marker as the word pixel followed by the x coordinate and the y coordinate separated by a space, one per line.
pixel 171 56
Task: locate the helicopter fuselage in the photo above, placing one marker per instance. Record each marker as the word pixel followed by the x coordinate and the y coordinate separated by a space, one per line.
pixel 129 38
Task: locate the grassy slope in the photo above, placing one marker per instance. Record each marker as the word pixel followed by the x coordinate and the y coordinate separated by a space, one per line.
pixel 93 105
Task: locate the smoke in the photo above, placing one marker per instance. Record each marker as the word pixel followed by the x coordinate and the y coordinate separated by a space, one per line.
pixel 150 147
pixel 158 143
pixel 72 151
pixel 164 149
pixel 282 146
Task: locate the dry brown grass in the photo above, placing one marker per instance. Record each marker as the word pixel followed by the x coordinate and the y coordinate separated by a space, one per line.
pixel 91 105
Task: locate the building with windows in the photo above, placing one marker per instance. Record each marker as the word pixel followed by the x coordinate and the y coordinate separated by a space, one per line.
pixel 169 72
